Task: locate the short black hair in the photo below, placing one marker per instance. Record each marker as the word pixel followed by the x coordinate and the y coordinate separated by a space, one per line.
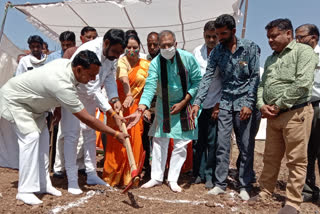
pixel 281 24
pixel 153 33
pixel 225 20
pixel 115 36
pixel 87 29
pixel 46 44
pixel 131 32
pixel 132 36
pixel 85 59
pixel 209 26
pixel 312 30
pixel 67 36
pixel 35 39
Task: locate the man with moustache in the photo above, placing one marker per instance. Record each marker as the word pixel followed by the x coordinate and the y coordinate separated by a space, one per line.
pixel 153 45
pixel 284 99
pixel 24 101
pixel 35 59
pixel 238 63
pixel 87 34
pixel 204 147
pixel 108 49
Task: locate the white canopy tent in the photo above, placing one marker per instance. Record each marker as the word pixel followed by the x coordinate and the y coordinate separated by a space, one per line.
pixel 184 17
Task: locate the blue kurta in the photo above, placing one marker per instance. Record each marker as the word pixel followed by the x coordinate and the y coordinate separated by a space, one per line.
pixel 175 94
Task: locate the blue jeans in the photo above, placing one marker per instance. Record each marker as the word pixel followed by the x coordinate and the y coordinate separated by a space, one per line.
pixel 204 148
pixel 227 120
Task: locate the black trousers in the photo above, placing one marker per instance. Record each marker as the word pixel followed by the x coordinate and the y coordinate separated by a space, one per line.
pixel 313 155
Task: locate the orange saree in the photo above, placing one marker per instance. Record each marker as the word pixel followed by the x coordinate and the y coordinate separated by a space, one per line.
pixel 116 169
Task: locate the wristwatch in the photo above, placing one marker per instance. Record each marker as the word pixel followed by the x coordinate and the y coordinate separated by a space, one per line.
pixel 114 100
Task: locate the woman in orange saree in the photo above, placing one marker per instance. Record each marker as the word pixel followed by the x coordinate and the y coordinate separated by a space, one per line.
pixel 132 72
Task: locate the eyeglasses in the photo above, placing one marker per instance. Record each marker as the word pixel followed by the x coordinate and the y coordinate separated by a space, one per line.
pixel 301 37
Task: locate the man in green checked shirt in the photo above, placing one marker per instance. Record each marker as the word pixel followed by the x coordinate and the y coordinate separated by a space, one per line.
pixel 284 99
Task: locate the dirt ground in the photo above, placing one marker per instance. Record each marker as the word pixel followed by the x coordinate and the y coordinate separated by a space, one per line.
pixel 193 199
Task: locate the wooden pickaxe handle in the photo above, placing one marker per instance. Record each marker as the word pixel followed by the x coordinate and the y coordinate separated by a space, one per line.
pixel 127 144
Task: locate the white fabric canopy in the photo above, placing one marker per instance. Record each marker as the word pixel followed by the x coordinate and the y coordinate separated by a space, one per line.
pixel 184 17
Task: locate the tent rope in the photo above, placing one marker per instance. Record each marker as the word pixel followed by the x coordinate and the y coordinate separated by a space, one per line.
pixel 78 15
pixel 182 26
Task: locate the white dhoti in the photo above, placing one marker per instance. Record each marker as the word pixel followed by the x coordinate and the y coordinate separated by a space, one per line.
pixel 71 127
pixel 159 158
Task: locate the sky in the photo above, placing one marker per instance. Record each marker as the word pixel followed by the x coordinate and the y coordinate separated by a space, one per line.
pixel 260 13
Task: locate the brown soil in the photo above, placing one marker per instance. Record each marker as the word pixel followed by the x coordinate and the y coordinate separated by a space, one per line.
pixel 106 201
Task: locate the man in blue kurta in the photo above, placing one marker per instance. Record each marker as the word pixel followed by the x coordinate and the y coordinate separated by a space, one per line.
pixel 174 76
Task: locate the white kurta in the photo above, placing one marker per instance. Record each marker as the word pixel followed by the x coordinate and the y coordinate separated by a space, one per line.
pixel 24 100
pixel 106 77
pixel 29 62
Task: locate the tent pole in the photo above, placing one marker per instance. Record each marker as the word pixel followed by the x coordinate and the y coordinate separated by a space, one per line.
pixel 4 18
pixel 245 20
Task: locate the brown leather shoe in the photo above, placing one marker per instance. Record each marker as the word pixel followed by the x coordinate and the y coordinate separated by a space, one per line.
pixel 287 209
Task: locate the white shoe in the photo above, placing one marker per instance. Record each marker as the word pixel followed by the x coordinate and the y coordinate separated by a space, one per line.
pixel 28 198
pixel 93 179
pixel 74 188
pixel 244 195
pixel 175 187
pixel 216 191
pixel 151 183
pixel 52 191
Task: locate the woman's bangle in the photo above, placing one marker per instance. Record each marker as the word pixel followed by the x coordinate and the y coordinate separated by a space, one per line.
pixel 140 110
pixel 113 113
pixel 116 134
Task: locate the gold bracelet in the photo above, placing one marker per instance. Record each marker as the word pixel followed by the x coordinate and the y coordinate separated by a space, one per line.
pixel 113 113
pixel 116 134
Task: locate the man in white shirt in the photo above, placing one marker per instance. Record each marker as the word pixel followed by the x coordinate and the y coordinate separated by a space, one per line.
pixel 24 101
pixel 87 34
pixel 204 147
pixel 309 34
pixel 107 49
pixel 153 45
pixel 35 59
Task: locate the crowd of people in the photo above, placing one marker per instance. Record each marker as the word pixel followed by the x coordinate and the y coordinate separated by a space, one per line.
pixel 168 95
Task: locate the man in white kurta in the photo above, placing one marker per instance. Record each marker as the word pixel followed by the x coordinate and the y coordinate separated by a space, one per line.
pixel 33 60
pixel 176 102
pixel 24 101
pixel 107 49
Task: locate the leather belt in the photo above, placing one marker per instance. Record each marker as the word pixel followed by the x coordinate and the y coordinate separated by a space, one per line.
pixel 294 107
pixel 315 103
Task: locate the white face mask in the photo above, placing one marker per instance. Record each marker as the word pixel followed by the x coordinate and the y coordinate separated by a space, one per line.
pixel 168 53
